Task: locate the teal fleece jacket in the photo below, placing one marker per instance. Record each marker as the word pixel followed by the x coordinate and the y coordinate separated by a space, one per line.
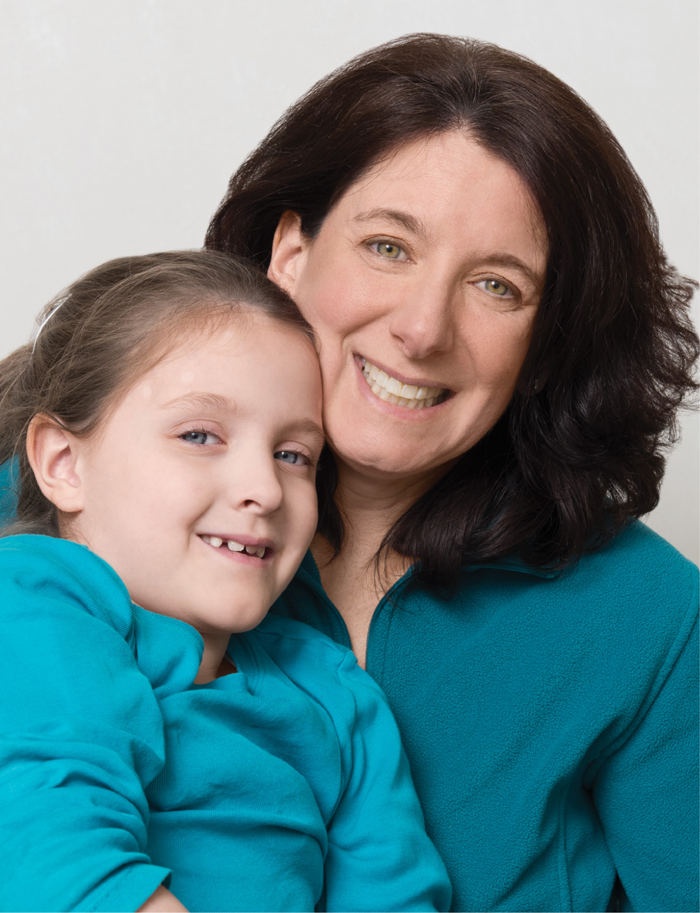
pixel 550 722
pixel 280 787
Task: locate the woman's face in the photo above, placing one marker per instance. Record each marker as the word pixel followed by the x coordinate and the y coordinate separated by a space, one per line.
pixel 422 286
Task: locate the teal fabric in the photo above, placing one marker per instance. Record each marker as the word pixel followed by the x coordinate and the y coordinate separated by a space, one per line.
pixel 118 773
pixel 9 477
pixel 550 722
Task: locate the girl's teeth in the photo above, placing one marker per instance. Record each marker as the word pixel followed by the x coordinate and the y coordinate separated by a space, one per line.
pixel 255 550
pixel 233 546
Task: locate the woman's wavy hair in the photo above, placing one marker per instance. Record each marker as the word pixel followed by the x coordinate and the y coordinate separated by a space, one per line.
pixel 103 333
pixel 580 449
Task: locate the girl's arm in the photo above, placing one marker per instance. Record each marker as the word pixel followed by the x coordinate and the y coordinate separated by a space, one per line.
pixel 81 734
pixel 379 855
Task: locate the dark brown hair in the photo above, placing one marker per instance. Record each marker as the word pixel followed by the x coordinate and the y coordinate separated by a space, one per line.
pixel 105 331
pixel 579 451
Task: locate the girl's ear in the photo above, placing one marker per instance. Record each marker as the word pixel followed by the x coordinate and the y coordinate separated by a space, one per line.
pixel 288 244
pixel 53 455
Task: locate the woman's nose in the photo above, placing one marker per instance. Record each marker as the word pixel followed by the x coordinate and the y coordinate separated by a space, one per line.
pixel 423 322
pixel 255 485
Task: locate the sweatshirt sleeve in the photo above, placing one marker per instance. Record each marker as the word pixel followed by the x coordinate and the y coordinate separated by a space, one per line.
pixel 646 791
pixel 80 735
pixel 379 855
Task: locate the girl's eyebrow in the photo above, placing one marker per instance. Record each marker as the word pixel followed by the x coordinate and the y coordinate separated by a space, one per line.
pixel 223 404
pixel 203 401
pixel 307 426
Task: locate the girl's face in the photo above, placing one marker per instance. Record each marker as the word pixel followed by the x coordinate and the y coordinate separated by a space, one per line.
pixel 422 286
pixel 198 488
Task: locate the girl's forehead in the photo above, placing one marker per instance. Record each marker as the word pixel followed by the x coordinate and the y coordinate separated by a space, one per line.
pixel 258 356
pixel 241 333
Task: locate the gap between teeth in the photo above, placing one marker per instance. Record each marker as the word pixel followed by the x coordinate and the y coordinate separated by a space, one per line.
pixel 233 546
pixel 391 390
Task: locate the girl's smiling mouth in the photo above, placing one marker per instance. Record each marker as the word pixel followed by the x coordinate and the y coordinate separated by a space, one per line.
pixel 392 390
pixel 233 545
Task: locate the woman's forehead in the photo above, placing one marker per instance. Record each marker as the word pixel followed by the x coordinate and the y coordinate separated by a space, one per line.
pixel 433 186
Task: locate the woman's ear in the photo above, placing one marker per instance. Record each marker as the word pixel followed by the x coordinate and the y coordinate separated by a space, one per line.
pixel 288 244
pixel 53 453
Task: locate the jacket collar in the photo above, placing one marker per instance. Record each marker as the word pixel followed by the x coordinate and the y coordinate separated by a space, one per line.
pixel 509 563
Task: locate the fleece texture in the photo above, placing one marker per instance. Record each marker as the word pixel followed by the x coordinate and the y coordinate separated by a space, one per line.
pixel 280 787
pixel 550 721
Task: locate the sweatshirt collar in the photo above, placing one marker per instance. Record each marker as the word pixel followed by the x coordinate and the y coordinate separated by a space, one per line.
pixel 508 563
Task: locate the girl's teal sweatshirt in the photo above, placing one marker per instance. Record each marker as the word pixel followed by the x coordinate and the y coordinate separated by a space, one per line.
pixel 280 787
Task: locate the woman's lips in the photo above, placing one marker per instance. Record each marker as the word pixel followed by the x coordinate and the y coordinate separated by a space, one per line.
pixel 392 390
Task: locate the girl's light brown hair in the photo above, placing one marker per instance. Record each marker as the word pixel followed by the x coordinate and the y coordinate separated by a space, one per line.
pixel 104 332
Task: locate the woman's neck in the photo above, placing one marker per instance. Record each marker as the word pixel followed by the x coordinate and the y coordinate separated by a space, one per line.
pixel 355 583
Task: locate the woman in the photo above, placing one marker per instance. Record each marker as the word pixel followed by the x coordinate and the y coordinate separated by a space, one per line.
pixel 503 349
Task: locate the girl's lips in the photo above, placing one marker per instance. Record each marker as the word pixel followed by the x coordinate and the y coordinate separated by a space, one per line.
pixel 242 546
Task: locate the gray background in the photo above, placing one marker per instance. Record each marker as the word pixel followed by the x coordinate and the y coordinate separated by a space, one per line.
pixel 120 123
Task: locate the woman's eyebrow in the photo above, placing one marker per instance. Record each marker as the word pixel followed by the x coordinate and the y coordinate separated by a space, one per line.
pixel 404 219
pixel 508 260
pixel 414 224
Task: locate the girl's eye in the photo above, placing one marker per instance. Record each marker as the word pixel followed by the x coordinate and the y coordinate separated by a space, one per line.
pixel 388 250
pixel 496 287
pixel 200 437
pixel 293 457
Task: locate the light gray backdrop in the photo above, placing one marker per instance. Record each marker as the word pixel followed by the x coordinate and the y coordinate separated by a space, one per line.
pixel 120 123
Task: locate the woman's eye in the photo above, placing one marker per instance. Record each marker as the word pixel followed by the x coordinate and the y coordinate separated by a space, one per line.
pixel 496 287
pixel 388 250
pixel 293 457
pixel 199 437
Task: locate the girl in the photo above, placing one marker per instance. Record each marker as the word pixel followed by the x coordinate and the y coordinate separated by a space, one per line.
pixel 166 422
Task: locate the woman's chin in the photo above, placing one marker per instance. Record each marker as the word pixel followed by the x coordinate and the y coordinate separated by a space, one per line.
pixel 387 461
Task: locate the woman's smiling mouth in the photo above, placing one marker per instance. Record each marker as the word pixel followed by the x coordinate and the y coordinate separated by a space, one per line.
pixel 392 390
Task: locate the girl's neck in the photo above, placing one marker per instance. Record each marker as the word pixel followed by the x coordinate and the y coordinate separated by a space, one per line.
pixel 214 663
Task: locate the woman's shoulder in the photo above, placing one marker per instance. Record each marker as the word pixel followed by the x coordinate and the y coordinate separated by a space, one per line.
pixel 57 574
pixel 635 598
pixel 638 567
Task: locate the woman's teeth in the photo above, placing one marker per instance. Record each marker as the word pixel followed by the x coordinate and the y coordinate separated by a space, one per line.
pixel 232 545
pixel 391 390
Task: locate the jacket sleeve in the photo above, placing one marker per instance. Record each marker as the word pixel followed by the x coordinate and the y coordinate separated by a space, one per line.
pixel 379 855
pixel 80 736
pixel 646 791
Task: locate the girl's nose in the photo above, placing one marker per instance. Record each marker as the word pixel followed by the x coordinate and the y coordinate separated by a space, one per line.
pixel 423 323
pixel 256 488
